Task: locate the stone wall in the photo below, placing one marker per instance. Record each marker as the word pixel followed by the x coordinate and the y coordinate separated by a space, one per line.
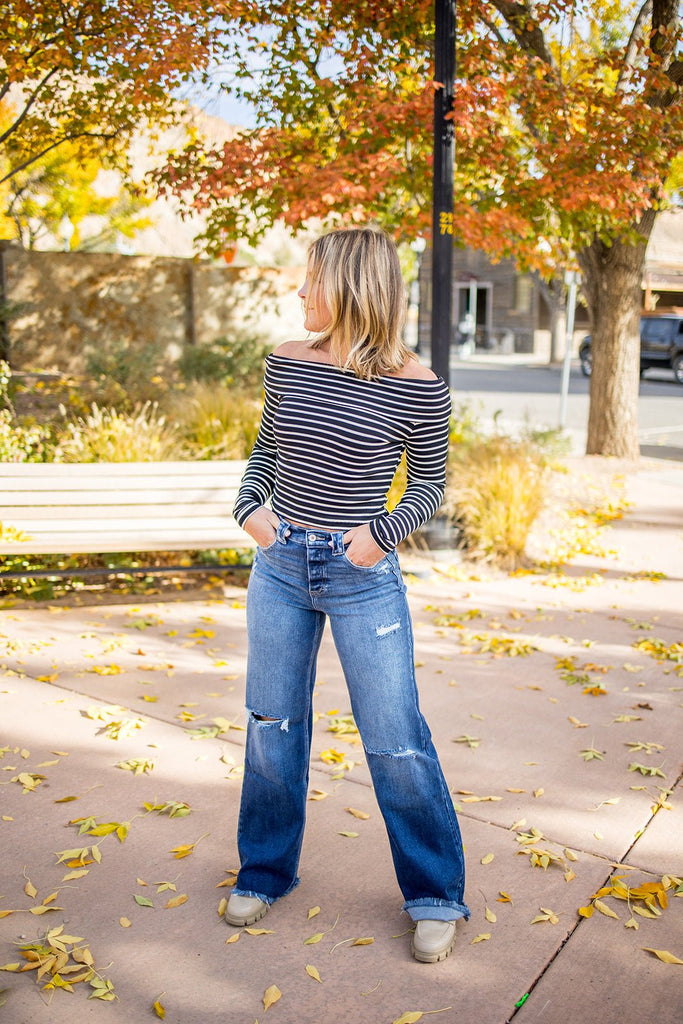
pixel 67 305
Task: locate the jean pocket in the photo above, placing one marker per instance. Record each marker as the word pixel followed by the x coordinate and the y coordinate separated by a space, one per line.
pixel 268 547
pixel 364 568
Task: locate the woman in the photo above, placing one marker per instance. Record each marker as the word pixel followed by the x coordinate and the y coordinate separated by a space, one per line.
pixel 340 409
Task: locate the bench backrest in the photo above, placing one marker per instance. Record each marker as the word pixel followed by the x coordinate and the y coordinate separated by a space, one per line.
pixel 64 508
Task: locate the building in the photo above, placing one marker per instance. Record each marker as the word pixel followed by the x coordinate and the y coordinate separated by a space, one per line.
pixel 509 311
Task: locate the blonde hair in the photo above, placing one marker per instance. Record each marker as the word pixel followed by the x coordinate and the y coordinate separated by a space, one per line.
pixel 357 273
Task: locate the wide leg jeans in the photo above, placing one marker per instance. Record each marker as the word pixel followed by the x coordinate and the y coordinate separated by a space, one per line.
pixel 296 583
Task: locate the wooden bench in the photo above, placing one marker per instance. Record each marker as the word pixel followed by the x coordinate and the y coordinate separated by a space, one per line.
pixel 95 508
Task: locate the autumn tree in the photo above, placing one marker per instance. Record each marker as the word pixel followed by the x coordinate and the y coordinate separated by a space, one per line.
pixel 567 117
pixel 89 72
pixel 65 183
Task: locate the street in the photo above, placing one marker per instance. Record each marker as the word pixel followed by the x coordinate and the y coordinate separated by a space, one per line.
pixel 519 392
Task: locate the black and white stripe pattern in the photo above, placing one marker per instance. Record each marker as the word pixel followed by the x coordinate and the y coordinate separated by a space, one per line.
pixel 329 444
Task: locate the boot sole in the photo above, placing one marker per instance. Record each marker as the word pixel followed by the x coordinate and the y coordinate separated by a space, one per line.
pixel 433 958
pixel 242 922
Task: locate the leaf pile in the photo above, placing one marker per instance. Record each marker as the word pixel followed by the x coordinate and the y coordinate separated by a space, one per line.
pixel 647 900
pixel 62 961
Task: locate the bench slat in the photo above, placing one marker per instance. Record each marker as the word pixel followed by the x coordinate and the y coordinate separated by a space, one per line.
pixel 126 470
pixel 13 505
pixel 26 517
pixel 118 507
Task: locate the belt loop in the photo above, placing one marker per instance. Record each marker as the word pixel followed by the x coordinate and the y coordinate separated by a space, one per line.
pixel 283 531
pixel 338 543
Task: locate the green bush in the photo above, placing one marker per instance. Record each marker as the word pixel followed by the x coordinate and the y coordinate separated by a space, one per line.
pixel 105 435
pixel 129 375
pixel 6 386
pixel 24 442
pixel 228 360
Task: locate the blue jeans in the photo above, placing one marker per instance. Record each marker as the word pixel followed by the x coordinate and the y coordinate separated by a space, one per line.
pixel 296 582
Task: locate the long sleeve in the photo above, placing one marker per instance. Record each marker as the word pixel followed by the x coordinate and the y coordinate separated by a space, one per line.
pixel 426 454
pixel 258 481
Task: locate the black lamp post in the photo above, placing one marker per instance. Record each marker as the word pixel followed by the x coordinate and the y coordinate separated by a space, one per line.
pixel 444 164
pixel 4 305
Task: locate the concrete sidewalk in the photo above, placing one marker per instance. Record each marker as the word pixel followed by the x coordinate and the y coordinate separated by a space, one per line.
pixel 541 763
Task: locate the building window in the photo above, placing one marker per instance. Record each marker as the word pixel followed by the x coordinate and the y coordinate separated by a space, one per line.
pixel 524 287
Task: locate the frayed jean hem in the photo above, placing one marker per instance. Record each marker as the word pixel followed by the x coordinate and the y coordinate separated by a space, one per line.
pixel 436 910
pixel 261 895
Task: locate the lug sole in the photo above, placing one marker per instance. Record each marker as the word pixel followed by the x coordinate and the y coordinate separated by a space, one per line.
pixel 242 922
pixel 433 958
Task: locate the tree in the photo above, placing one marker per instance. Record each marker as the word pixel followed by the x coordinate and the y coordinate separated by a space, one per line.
pixel 65 184
pixel 568 116
pixel 88 72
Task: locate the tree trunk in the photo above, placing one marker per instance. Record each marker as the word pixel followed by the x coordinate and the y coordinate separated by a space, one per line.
pixel 612 280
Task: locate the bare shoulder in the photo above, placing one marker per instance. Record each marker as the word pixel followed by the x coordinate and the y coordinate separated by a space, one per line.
pixel 416 371
pixel 293 349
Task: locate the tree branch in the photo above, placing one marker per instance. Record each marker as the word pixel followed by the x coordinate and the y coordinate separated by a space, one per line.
pixel 632 48
pixel 105 136
pixel 29 103
pixel 525 28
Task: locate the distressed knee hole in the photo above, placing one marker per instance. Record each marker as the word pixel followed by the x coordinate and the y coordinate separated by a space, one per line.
pixel 265 720
pixel 386 630
pixel 400 752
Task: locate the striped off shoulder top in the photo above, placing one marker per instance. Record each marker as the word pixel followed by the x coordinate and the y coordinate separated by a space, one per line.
pixel 329 444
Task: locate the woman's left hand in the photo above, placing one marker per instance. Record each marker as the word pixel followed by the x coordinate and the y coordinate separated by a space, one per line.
pixel 362 549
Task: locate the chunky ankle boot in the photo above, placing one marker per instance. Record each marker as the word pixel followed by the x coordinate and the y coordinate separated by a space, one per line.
pixel 244 910
pixel 433 940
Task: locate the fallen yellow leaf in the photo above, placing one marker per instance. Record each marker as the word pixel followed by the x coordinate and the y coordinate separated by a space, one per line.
pixel 313 972
pixel 664 955
pixel 487 858
pixel 159 1009
pixel 363 815
pixel 604 909
pixel 271 995
pixel 124 922
pixel 480 938
pixel 177 901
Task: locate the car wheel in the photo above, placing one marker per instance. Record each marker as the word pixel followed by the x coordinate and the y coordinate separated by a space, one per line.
pixel 586 363
pixel 677 367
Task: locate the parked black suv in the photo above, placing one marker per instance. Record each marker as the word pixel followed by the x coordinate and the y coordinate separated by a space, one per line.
pixel 661 345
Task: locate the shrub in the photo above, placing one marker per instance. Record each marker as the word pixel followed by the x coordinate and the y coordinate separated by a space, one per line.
pixel 20 442
pixel 228 360
pixel 105 435
pixel 495 493
pixel 217 422
pixel 6 386
pixel 128 375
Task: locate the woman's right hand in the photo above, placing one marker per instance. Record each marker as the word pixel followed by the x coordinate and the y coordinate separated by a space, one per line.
pixel 262 526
